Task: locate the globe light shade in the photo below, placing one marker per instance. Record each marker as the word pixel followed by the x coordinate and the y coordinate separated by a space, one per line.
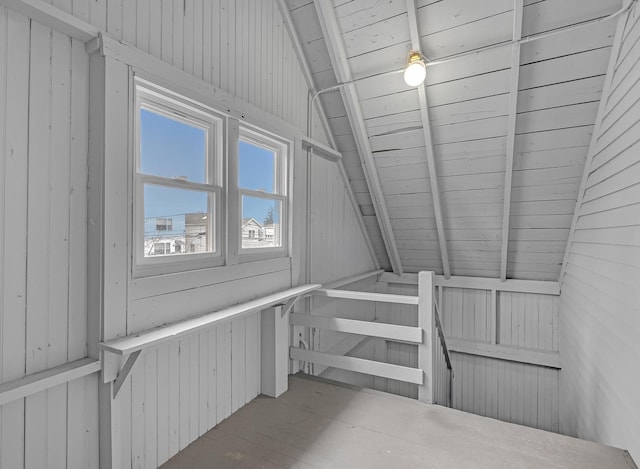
pixel 416 70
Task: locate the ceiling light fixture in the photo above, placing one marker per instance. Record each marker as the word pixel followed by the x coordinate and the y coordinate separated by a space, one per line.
pixel 416 70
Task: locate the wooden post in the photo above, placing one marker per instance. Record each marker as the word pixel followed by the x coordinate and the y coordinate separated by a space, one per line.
pixel 275 351
pixel 427 323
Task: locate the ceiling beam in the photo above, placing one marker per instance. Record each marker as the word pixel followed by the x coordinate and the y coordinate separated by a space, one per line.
pixel 511 134
pixel 428 141
pixel 308 76
pixel 333 39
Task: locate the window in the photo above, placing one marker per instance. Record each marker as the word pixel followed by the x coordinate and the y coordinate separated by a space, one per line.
pixel 262 187
pixel 164 224
pixel 186 216
pixel 178 179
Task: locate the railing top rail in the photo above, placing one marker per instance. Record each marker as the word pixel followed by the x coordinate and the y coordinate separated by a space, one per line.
pixel 143 340
pixel 366 296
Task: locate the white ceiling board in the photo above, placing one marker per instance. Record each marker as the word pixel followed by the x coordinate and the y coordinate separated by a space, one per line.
pixel 346 142
pixel 522 236
pixel 553 14
pixel 390 32
pixel 318 57
pixel 469 65
pixel 572 67
pixel 474 196
pixel 557 118
pixel 407 156
pixel 307 17
pixel 410 186
pixel 396 103
pixel 472 181
pixel 475 87
pixel 553 139
pixel 545 192
pixel 417 235
pixel 333 105
pixel 324 79
pixel 548 176
pixel 422 211
pixel 561 94
pixel 407 200
pixel 577 40
pixel 423 244
pixel 470 131
pixel 293 4
pixel 386 60
pixel 542 207
pixel 466 111
pixel 393 123
pixel 474 235
pixel 487 147
pixel 357 14
pixel 540 221
pixel 404 172
pixel 554 158
pixel 401 140
pixel 472 165
pixel 340 125
pixel 474 210
pixel 381 85
pixel 441 16
pixel 469 37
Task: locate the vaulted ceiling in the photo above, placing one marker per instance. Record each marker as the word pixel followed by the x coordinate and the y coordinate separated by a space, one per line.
pixel 477 171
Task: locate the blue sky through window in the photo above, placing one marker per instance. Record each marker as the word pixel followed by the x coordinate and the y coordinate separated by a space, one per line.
pixel 175 149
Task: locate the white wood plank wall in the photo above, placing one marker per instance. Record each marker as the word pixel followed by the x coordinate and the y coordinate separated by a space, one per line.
pixel 338 248
pixel 510 391
pixel 179 391
pixel 600 316
pixel 43 178
pixel 240 46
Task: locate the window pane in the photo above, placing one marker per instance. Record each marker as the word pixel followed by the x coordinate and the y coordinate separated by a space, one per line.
pixel 175 221
pixel 172 148
pixel 260 223
pixel 256 167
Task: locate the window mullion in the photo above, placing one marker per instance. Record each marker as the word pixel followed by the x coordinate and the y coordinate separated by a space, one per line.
pixel 234 209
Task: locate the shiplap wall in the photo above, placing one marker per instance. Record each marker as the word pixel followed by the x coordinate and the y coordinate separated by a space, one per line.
pixel 599 303
pixel 510 391
pixel 43 244
pixel 515 392
pixel 240 46
pixel 338 248
pixel 179 390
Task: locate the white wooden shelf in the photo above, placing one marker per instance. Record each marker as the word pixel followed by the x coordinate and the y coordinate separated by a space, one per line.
pixel 133 345
pixel 170 332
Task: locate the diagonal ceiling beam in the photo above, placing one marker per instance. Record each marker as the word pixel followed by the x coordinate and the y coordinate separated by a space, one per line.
pixel 511 134
pixel 308 76
pixel 428 141
pixel 333 38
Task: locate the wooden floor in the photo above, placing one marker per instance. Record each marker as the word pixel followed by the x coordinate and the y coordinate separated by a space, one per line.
pixel 320 424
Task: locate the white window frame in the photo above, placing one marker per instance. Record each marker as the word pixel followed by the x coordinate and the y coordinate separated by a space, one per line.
pixel 165 102
pixel 281 149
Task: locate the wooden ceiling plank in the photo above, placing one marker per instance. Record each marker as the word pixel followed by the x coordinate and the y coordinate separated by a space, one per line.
pixel 511 134
pixel 333 37
pixel 428 139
